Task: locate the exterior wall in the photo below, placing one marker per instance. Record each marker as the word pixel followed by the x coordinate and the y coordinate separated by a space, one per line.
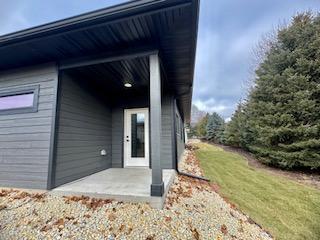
pixel 84 129
pixel 167 150
pixel 117 137
pixel 25 137
pixel 167 140
pixel 179 133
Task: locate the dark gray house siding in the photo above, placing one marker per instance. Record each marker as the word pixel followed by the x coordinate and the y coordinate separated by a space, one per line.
pixel 167 150
pixel 117 137
pixel 83 130
pixel 59 139
pixel 180 140
pixel 85 126
pixel 25 137
pixel 167 118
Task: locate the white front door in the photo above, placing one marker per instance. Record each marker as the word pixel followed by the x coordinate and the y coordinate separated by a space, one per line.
pixel 136 137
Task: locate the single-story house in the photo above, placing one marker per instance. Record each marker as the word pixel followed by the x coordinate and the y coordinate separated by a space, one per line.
pixel 106 89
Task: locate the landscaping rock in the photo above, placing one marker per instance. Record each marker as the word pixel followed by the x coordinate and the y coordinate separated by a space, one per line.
pixel 193 210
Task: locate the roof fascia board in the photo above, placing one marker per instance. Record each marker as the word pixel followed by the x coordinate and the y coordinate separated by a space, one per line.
pixel 61 27
pixel 195 7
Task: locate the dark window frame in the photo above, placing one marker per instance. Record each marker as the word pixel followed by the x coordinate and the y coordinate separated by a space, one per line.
pixel 34 89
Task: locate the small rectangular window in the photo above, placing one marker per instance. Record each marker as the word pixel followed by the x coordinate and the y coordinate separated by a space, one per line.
pixel 19 100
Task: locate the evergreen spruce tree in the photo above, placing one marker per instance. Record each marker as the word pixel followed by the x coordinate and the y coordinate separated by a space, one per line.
pixel 201 126
pixel 283 109
pixel 234 130
pixel 215 127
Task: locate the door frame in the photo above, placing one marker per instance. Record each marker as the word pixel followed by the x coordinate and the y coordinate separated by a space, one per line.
pixel 144 162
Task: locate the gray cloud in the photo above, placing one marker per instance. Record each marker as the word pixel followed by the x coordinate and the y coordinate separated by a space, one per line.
pixel 228 32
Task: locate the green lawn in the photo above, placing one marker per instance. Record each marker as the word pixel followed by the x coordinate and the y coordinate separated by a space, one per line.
pixel 286 209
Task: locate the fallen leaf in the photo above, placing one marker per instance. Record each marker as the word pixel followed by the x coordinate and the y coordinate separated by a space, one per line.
pixel 224 229
pixel 21 195
pixel 112 217
pixel 69 218
pixel 150 237
pixel 59 222
pixel 129 230
pixel 195 233
pixel 46 228
pixel 121 228
pixel 2 207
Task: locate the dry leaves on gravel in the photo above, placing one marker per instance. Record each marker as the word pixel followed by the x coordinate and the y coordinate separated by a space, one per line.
pixel 183 189
pixel 20 195
pixel 195 233
pixel 112 217
pixel 224 229
pixel 90 203
pixel 7 192
pixel 2 207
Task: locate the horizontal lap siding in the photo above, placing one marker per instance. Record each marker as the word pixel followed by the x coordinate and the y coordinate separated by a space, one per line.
pixel 84 129
pixel 179 134
pixel 25 137
pixel 167 160
pixel 117 137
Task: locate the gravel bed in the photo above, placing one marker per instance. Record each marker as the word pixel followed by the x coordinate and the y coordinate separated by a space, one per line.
pixel 193 210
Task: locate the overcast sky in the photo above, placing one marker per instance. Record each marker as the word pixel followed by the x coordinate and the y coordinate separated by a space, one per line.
pixel 228 32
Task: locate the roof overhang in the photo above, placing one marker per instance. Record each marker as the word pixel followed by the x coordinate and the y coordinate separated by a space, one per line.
pixel 168 26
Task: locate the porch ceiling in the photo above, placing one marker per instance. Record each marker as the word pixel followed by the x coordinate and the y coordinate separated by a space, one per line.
pixel 108 79
pixel 168 25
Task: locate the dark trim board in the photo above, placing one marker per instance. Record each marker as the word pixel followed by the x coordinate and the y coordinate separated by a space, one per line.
pixel 174 137
pixel 107 57
pixel 54 131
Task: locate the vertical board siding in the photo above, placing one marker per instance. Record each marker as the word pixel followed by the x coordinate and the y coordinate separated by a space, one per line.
pixel 25 137
pixel 167 159
pixel 84 129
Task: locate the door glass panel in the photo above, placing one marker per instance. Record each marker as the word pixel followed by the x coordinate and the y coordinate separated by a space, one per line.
pixel 137 135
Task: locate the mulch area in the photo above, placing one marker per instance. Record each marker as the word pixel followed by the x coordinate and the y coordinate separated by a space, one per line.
pixel 310 179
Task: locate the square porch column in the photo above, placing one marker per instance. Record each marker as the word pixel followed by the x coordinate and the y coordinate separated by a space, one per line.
pixel 157 185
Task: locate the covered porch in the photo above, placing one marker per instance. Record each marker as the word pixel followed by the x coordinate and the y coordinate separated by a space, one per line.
pixel 121 184
pixel 112 125
pixel 123 80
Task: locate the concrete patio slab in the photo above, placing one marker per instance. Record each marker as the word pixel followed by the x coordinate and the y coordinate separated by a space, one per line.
pixel 121 184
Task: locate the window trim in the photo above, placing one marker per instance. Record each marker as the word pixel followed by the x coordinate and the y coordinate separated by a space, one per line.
pixel 34 89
